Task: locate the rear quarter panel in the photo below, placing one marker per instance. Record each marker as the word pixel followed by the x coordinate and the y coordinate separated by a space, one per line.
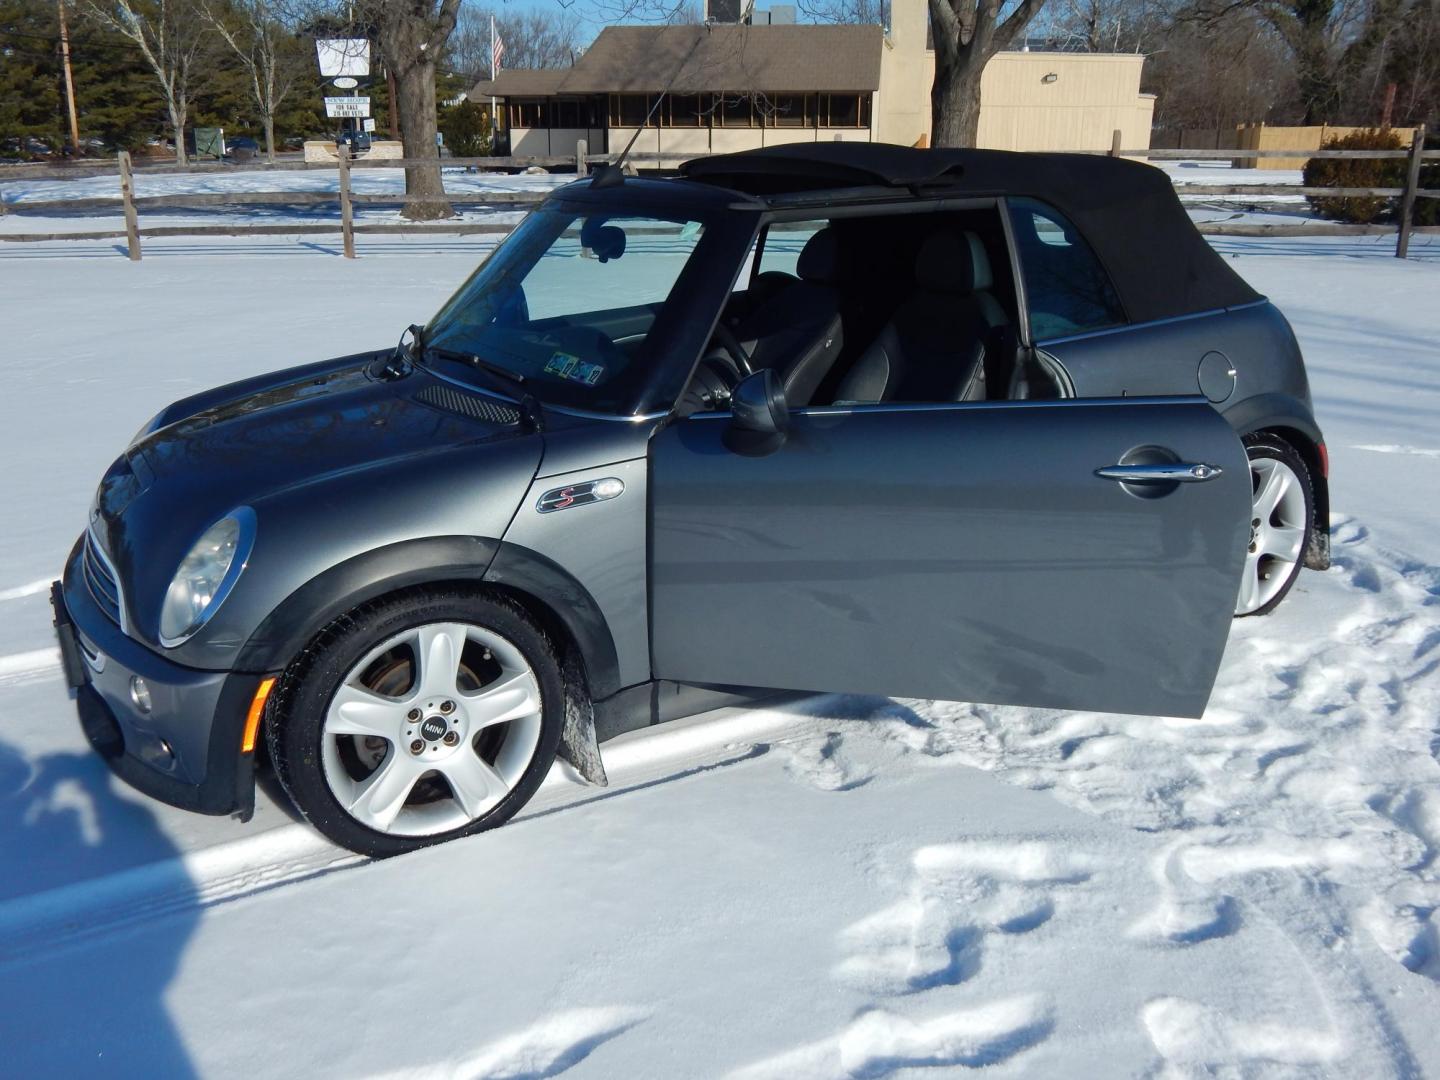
pixel 1163 358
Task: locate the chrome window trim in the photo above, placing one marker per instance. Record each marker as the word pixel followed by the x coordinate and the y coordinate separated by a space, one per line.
pixel 971 406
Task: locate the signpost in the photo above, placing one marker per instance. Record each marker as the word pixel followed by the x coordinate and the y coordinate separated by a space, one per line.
pixel 345 62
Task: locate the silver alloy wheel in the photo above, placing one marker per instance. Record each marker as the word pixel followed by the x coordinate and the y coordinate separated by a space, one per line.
pixel 1277 533
pixel 444 746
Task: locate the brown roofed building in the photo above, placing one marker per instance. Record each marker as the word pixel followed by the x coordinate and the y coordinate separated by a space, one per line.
pixel 738 86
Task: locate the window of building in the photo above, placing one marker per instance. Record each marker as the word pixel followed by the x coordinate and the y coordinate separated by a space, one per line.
pixel 1066 288
pixel 533 113
pixel 687 110
pixel 845 110
pixel 570 113
pixel 789 110
pixel 735 110
pixel 630 110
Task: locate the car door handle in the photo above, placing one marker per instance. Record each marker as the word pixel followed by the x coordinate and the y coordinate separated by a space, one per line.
pixel 1182 472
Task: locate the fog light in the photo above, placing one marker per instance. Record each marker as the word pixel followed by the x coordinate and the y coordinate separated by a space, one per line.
pixel 140 693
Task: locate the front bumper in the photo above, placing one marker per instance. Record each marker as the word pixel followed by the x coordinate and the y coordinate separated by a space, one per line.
pixel 186 750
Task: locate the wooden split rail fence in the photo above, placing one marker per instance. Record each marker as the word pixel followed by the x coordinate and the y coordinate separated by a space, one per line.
pixel 580 162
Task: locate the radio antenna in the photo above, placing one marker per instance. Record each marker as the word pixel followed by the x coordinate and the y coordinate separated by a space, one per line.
pixel 612 175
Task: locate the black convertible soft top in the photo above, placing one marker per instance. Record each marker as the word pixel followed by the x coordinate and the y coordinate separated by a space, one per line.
pixel 1128 211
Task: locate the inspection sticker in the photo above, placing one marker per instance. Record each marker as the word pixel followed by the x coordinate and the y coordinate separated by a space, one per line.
pixel 568 366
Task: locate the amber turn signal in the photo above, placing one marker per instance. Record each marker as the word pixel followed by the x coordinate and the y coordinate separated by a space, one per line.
pixel 257 710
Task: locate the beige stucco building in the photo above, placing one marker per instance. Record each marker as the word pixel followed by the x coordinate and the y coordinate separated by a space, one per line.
pixel 734 87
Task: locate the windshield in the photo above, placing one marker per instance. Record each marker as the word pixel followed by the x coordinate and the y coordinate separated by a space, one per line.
pixel 571 302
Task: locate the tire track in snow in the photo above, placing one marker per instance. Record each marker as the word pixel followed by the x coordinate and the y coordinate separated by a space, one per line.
pixel 72 914
pixel 61 918
pixel 30 666
pixel 20 592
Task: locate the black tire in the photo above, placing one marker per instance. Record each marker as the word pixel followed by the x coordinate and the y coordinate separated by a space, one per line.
pixel 295 721
pixel 1265 445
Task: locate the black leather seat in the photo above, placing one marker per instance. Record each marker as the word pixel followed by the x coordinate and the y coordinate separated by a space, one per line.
pixel 934 346
pixel 796 331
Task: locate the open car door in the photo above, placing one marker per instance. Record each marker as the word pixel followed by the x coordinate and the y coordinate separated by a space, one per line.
pixel 1064 554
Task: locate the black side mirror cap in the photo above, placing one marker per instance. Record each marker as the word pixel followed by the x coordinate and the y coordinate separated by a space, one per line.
pixel 759 415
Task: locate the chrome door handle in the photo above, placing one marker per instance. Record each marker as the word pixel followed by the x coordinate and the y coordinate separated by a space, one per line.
pixel 1181 472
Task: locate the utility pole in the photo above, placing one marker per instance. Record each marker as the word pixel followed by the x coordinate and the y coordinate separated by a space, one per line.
pixel 69 79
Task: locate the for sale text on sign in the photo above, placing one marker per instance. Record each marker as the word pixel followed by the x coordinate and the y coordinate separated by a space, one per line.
pixel 347 106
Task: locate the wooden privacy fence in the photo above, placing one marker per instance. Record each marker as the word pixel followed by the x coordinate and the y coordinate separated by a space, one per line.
pixel 579 162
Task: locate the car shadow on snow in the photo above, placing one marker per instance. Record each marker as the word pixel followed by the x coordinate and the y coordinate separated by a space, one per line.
pixel 96 909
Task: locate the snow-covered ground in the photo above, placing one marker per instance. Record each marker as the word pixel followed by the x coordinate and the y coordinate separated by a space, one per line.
pixel 15 194
pixel 830 887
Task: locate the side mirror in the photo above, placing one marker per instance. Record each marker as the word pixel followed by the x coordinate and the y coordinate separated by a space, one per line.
pixel 759 415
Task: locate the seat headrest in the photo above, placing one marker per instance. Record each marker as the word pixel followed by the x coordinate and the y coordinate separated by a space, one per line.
pixel 951 262
pixel 820 258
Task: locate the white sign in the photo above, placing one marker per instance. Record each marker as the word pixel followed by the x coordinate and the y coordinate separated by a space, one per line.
pixel 345 82
pixel 343 56
pixel 369 123
pixel 347 106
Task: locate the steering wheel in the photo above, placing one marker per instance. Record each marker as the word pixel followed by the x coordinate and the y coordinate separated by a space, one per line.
pixel 732 346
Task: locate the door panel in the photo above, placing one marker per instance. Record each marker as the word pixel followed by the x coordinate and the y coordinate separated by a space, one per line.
pixel 965 552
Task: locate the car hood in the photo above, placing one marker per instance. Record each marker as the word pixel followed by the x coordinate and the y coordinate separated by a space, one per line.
pixel 318 429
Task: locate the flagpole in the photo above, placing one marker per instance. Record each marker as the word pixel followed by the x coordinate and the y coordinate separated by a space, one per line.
pixel 494 115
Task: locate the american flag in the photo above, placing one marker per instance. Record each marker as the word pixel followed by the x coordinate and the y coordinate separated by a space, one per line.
pixel 497 50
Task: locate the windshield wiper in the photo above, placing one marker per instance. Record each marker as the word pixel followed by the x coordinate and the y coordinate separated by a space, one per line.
pixel 514 383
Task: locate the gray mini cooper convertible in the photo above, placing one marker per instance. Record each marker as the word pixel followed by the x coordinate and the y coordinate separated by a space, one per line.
pixel 968 425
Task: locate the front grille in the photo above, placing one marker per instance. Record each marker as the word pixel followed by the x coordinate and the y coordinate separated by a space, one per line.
pixel 100 579
pixel 474 406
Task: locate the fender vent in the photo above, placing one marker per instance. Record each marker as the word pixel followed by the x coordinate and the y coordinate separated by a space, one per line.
pixel 441 396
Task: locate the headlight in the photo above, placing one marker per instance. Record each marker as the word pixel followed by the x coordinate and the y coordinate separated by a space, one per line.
pixel 206 575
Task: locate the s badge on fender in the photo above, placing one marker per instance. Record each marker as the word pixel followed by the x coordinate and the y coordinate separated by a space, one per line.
pixel 582 494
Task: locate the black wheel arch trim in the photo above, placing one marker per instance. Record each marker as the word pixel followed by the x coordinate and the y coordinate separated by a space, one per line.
pixel 535 577
pixel 345 586
pixel 529 576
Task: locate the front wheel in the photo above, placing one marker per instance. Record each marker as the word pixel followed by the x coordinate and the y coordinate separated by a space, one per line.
pixel 417 719
pixel 1282 512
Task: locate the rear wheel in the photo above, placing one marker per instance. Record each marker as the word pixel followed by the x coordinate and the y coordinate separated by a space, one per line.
pixel 1282 511
pixel 424 717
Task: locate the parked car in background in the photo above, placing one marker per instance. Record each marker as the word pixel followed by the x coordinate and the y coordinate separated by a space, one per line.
pixel 241 148
pixel 956 424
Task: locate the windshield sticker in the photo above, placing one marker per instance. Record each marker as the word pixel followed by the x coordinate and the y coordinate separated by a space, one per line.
pixel 568 366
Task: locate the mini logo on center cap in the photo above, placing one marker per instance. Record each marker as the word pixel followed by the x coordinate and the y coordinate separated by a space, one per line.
pixel 433 728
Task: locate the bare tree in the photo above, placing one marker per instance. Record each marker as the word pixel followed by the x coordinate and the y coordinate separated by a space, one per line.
pixel 1328 40
pixel 1103 25
pixel 967 34
pixel 411 36
pixel 172 36
pixel 256 33
pixel 536 38
pixel 1216 76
